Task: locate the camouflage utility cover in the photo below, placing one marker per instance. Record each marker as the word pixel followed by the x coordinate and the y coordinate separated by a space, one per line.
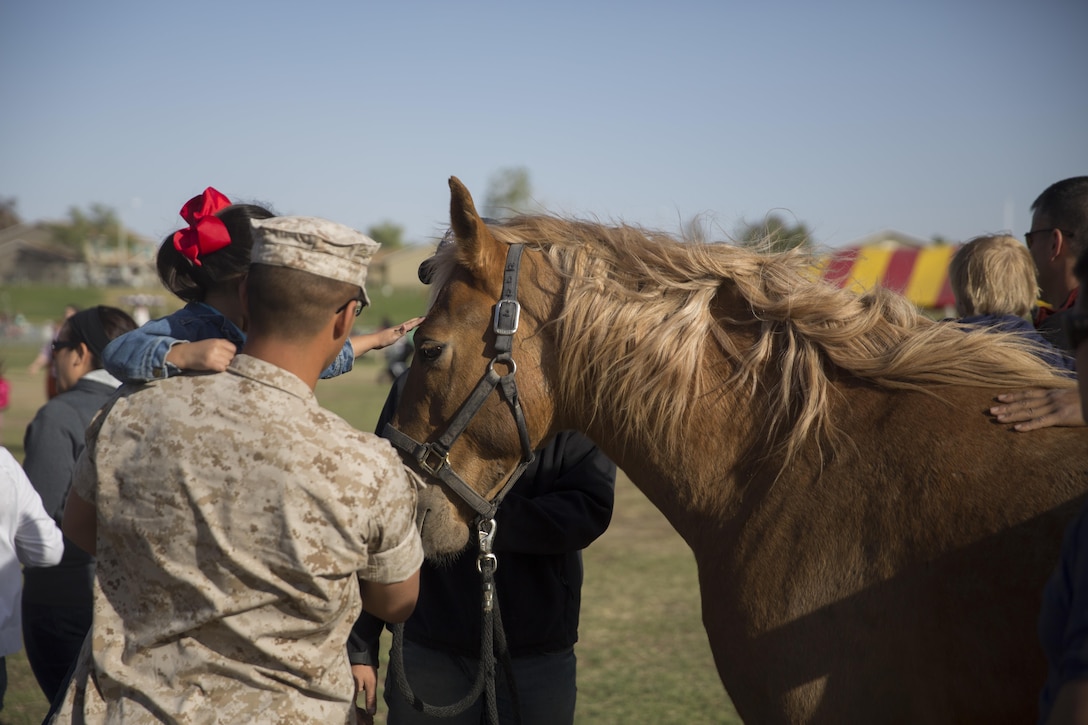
pixel 318 246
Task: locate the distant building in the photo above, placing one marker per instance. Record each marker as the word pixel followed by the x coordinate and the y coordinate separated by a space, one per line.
pixel 124 266
pixel 397 268
pixel 29 255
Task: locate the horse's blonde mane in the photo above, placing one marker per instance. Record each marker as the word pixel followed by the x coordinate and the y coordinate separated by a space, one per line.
pixel 638 331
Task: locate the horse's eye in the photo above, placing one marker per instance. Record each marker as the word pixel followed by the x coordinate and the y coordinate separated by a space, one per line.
pixel 430 351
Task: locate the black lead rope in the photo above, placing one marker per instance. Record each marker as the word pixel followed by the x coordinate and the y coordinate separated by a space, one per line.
pixel 433 458
pixel 492 646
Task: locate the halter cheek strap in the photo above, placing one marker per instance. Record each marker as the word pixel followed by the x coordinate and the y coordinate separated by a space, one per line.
pixel 433 458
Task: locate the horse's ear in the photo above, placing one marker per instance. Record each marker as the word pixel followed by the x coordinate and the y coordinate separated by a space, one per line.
pixel 475 245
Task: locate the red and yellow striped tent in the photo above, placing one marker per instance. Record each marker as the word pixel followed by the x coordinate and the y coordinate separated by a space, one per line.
pixel 920 273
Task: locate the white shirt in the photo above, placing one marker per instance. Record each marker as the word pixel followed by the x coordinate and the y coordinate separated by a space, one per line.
pixel 28 535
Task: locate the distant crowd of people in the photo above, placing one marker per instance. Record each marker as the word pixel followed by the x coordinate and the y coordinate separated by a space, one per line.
pixel 157 604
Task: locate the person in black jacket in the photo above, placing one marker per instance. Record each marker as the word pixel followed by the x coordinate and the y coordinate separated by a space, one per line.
pixel 58 601
pixel 559 505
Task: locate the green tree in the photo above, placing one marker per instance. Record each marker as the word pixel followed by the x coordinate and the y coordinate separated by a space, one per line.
pixel 9 217
pixel 774 234
pixel 387 234
pixel 509 192
pixel 97 228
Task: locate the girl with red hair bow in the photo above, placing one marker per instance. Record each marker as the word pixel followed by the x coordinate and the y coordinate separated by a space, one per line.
pixel 205 264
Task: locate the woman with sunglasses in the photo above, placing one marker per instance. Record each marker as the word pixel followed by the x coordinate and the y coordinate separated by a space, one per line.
pixel 57 600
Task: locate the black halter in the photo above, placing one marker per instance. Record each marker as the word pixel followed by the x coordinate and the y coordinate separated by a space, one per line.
pixel 433 458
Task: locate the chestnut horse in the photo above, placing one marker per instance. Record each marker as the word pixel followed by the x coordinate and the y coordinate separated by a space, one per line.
pixel 871 546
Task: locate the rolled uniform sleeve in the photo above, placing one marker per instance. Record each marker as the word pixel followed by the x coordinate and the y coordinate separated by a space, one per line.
pixel 396 551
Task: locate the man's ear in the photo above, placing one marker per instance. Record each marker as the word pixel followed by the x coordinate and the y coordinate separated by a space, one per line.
pixel 344 321
pixel 1058 244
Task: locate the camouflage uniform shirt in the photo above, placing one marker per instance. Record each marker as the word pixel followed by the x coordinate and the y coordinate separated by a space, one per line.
pixel 235 518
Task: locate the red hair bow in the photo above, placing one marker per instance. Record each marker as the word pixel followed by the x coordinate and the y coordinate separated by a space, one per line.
pixel 206 233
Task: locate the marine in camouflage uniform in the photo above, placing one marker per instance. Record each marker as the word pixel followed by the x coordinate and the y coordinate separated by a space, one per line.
pixel 235 518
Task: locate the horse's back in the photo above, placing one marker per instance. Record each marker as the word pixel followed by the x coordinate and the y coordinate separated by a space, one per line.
pixel 900 579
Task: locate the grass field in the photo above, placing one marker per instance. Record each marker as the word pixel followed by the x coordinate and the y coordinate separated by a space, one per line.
pixel 643 656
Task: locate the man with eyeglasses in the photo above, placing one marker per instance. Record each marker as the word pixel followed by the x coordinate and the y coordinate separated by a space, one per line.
pixel 1058 235
pixel 239 527
pixel 1059 227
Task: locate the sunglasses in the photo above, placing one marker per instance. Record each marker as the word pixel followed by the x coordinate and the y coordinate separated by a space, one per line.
pixel 1075 326
pixel 1028 235
pixel 63 345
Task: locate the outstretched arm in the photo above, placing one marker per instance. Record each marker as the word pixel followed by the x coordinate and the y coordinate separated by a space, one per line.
pixel 363 344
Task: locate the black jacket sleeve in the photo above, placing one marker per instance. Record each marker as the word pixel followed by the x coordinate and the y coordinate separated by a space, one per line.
pixel 363 640
pixel 567 504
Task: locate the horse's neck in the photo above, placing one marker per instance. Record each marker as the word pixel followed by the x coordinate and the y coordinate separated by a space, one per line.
pixel 703 485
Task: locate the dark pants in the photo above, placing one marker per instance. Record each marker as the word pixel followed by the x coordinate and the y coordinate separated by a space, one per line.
pixel 545 685
pixel 52 637
pixel 3 680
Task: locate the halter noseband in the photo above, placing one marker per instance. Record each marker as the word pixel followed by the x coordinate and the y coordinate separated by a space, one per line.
pixel 433 458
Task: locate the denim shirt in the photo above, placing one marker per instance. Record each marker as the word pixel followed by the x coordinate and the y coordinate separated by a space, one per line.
pixel 140 355
pixel 1045 350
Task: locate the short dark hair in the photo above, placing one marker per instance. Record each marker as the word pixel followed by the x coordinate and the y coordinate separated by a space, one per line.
pixel 291 302
pixel 96 326
pixel 222 267
pixel 1064 205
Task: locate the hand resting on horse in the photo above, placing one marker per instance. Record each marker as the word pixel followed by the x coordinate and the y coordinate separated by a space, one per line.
pixel 1037 408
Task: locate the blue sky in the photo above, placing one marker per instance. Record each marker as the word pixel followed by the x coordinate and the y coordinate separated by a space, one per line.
pixel 932 117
